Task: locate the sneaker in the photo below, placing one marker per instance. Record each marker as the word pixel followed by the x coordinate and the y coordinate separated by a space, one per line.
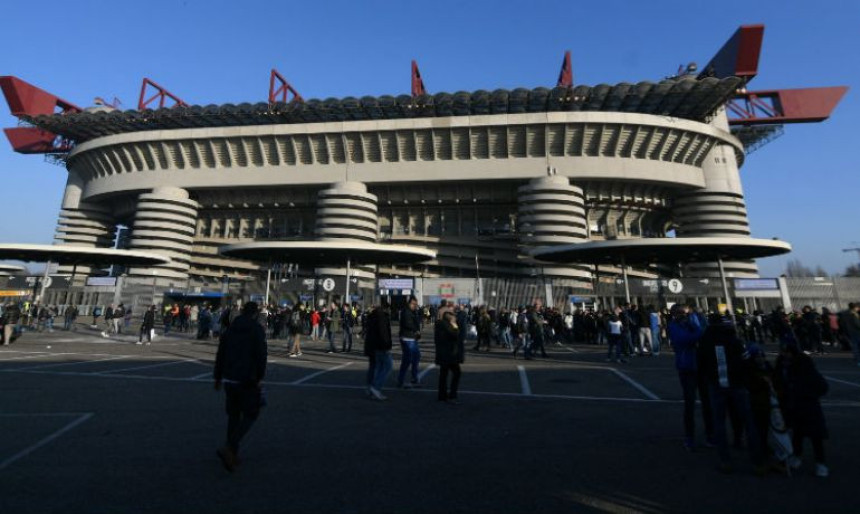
pixel 148 343
pixel 293 355
pixel 139 342
pixel 299 354
pixel 794 462
pixel 821 471
pixel 689 445
pixel 377 395
pixel 228 458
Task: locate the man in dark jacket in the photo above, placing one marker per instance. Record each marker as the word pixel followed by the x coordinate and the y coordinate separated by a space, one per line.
pixel 378 343
pixel 147 325
pixel 410 333
pixel 449 355
pixel 241 365
pixel 722 364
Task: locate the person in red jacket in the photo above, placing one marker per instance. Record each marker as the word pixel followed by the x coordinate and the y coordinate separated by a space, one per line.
pixel 315 325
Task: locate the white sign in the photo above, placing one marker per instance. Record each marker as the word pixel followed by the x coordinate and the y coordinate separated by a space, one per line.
pixel 396 283
pixel 675 286
pixel 101 281
pixel 328 284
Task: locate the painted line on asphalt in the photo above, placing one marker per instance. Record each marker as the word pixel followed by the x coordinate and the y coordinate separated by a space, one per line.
pixel 62 364
pixel 39 356
pixel 30 449
pixel 854 384
pixel 524 381
pixel 148 366
pixel 200 376
pixel 569 348
pixel 320 372
pixel 424 372
pixel 641 388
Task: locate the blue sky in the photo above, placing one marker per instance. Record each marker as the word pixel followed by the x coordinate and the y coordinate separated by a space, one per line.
pixel 802 187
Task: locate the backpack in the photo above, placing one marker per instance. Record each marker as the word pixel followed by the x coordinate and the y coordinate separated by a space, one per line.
pixel 521 324
pixel 296 319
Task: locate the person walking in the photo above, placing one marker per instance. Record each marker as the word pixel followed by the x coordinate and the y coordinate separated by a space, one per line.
pixel 654 324
pixel 348 321
pixel 614 329
pixel 147 326
pixel 240 365
pixel 296 331
pixel 69 318
pixel 11 318
pixel 449 355
pixel 378 347
pixel 685 330
pixel 410 334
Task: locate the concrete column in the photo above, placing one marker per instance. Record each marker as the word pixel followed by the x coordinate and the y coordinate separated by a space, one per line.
pixel 165 223
pixel 83 224
pixel 718 209
pixel 347 212
pixel 551 212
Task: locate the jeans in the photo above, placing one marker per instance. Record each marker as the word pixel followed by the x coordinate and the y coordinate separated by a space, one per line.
pixel 330 336
pixel 739 397
pixel 614 343
pixel 655 340
pixel 243 407
pixel 409 359
pixel 855 345
pixel 371 368
pixel 315 332
pixel 645 335
pixel 444 392
pixel 690 383
pixel 382 368
pixel 347 339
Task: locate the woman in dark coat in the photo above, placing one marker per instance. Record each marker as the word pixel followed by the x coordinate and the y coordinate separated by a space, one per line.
pixel 449 355
pixel 799 387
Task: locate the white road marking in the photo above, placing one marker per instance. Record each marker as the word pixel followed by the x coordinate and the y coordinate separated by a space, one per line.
pixel 318 373
pixel 148 366
pixel 424 372
pixel 641 388
pixel 32 357
pixel 570 349
pixel 30 449
pixel 60 364
pixel 201 376
pixel 524 381
pixel 855 384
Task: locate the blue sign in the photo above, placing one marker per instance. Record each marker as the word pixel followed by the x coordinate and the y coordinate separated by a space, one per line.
pixel 756 284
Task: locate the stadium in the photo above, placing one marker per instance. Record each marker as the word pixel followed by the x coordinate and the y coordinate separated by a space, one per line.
pixel 482 178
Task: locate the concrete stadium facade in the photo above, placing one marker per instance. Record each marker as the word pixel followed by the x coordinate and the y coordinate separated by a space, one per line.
pixel 473 187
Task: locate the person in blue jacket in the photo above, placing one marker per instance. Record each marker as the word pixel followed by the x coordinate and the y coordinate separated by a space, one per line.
pixel 685 329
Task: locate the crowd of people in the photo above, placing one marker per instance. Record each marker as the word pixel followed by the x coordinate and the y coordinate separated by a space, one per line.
pixel 771 408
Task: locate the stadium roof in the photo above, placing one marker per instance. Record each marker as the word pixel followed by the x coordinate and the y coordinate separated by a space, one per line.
pixel 685 97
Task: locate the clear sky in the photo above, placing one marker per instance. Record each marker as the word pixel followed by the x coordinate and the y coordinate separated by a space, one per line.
pixel 802 187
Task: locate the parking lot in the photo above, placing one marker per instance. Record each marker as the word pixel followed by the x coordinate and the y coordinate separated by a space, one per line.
pixel 103 425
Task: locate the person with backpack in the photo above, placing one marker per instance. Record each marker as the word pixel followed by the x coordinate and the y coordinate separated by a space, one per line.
pixel 295 328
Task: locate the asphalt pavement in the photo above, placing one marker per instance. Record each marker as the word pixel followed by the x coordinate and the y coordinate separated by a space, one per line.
pixel 101 425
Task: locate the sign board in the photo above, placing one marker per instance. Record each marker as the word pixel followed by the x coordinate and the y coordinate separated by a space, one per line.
pixel 667 286
pixel 101 281
pixel 396 283
pixel 756 284
pixel 14 292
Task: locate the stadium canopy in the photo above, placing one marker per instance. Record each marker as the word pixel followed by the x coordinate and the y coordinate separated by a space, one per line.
pixel 328 253
pixel 79 255
pixel 663 250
